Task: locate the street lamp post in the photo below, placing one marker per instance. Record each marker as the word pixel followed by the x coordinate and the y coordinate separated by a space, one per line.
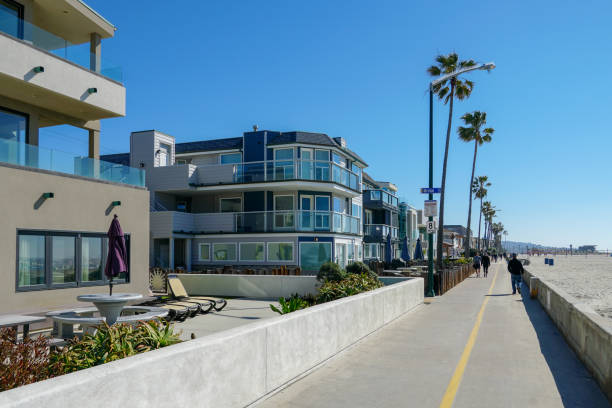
pixel 488 67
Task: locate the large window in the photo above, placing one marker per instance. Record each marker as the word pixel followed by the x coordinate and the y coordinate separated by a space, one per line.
pixel 224 252
pixel 322 165
pixel 280 251
pixel 230 204
pixel 283 215
pixel 283 164
pixel 231 158
pixel 314 254
pixel 322 214
pixel 31 260
pixel 63 259
pixel 56 259
pixel 251 251
pixel 11 18
pixel 91 259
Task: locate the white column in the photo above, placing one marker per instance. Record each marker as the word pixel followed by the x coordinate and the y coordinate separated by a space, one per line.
pixel 171 253
pixel 188 254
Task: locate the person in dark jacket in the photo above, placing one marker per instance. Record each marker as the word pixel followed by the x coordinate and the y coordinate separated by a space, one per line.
pixel 486 262
pixel 515 267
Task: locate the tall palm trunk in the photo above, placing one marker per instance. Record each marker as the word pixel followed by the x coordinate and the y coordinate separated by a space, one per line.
pixel 443 186
pixel 469 221
pixel 479 223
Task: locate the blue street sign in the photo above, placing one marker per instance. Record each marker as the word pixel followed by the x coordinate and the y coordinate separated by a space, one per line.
pixel 433 190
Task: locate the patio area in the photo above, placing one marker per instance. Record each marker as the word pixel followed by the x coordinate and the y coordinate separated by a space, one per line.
pixel 238 312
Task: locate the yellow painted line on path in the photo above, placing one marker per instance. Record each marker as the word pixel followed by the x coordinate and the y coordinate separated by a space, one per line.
pixel 453 385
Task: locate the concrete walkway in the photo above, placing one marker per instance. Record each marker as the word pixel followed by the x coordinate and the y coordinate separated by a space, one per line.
pixel 517 358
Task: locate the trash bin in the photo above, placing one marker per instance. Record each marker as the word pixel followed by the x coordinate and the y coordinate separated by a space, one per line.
pixel 551 262
pixel 545 261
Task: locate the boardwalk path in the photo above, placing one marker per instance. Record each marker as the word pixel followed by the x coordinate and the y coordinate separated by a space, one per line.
pixel 517 358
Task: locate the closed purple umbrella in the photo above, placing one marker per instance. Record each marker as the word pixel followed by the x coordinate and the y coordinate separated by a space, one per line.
pixel 116 261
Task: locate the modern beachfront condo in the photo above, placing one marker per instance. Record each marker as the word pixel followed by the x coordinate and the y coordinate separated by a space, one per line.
pixel 57 207
pixel 408 227
pixel 380 219
pixel 261 200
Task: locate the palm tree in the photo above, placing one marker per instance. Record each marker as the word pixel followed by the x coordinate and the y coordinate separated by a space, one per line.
pixel 490 215
pixel 473 133
pixel 480 190
pixel 460 89
pixel 488 212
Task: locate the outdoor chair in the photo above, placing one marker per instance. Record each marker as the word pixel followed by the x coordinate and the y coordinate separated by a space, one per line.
pixel 178 291
pixel 175 312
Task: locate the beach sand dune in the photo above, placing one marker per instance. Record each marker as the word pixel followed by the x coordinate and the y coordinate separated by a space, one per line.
pixel 587 278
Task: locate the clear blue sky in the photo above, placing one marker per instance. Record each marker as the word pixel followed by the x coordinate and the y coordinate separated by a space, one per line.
pixel 356 69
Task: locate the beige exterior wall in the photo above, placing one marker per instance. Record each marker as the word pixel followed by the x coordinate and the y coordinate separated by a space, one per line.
pixel 62 87
pixel 79 205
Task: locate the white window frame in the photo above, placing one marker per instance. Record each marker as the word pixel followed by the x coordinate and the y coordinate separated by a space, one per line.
pixel 231 198
pixel 200 245
pixel 212 254
pixel 263 244
pixel 281 260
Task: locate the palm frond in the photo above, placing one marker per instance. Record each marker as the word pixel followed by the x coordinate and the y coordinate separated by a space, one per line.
pixel 434 71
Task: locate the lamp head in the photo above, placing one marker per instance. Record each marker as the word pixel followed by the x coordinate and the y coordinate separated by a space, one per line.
pixel 488 66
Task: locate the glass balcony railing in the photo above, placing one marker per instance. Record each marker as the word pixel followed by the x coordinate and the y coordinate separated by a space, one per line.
pixel 266 221
pixel 277 171
pixel 77 53
pixel 384 197
pixel 380 231
pixel 22 154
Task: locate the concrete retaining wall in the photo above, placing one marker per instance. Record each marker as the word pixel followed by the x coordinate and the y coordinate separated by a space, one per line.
pixel 588 333
pixel 233 368
pixel 257 286
pixel 252 286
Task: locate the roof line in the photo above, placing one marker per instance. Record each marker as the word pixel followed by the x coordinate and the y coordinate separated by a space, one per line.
pixel 97 14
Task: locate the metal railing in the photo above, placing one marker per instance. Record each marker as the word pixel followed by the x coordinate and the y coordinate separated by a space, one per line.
pixel 21 154
pixel 380 230
pixel 277 170
pixel 265 221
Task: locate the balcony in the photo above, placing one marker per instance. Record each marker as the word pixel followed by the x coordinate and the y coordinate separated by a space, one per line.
pixel 380 199
pixel 35 157
pixel 380 231
pixel 276 171
pixel 66 83
pixel 166 223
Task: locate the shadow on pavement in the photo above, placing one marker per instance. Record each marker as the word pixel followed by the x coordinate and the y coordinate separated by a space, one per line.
pixel 574 383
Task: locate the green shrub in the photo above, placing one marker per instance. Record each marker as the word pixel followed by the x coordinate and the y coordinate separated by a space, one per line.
pixel 331 272
pixel 287 306
pixel 360 268
pixel 111 343
pixel 351 285
pixel 22 363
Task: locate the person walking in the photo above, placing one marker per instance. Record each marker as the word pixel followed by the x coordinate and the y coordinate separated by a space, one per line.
pixel 515 267
pixel 486 262
pixel 476 265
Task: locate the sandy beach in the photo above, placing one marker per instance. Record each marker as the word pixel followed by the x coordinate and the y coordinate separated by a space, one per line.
pixel 587 278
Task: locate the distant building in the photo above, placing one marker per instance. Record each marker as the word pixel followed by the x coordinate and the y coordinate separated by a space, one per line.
pixel 587 248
